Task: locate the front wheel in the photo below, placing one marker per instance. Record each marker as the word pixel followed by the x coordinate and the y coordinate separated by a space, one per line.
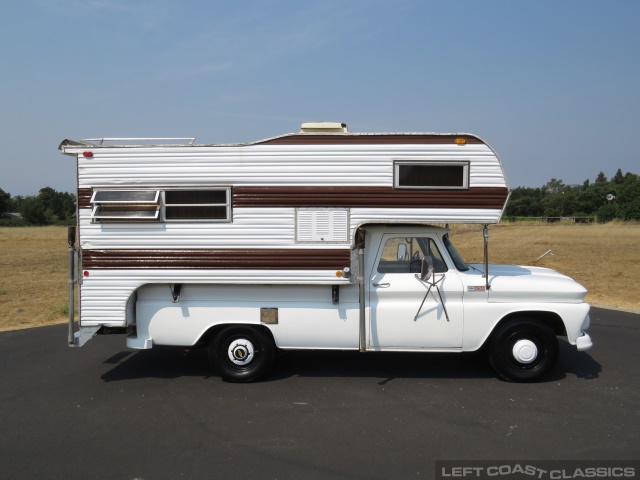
pixel 241 353
pixel 523 350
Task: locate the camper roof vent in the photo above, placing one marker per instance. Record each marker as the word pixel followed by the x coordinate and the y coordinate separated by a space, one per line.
pixel 324 127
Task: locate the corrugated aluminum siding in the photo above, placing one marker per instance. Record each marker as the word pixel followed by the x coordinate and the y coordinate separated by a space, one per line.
pixel 105 293
pixel 265 165
pixel 256 228
pixel 329 165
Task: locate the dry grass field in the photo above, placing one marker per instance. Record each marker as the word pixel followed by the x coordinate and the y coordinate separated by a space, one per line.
pixel 34 289
pixel 604 258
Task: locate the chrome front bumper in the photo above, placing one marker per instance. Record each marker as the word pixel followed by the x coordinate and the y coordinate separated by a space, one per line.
pixel 584 342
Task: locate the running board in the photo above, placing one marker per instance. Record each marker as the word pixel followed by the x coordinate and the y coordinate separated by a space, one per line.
pixel 85 334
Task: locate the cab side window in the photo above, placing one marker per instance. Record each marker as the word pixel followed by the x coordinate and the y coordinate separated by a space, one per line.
pixel 404 255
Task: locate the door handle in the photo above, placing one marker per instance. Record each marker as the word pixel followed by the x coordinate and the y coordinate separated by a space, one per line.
pixel 382 285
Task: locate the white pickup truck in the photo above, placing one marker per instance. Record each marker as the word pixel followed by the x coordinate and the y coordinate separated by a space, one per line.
pixel 319 239
pixel 419 296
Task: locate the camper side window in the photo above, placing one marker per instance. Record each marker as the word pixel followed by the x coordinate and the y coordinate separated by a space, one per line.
pixel 198 205
pixel 437 175
pixel 125 205
pixel 210 205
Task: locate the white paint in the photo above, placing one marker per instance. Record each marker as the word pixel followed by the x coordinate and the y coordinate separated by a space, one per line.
pixel 307 318
pixel 525 351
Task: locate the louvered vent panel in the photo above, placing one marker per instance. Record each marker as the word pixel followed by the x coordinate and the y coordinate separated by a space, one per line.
pixel 322 225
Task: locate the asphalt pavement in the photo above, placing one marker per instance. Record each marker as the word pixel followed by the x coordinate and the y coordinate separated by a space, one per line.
pixel 107 412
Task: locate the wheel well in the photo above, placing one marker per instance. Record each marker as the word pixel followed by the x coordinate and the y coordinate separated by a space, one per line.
pixel 206 337
pixel 551 319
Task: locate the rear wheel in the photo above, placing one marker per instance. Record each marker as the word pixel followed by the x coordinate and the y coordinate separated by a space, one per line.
pixel 241 353
pixel 523 350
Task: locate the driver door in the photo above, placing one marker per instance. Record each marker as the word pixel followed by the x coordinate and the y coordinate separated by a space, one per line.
pixel 395 294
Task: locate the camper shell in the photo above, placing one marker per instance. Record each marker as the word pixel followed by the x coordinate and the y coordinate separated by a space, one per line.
pixel 179 242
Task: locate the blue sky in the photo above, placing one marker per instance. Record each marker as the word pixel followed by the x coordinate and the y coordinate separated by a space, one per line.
pixel 553 86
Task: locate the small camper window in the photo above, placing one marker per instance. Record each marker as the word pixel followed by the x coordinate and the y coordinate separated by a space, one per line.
pixel 445 175
pixel 198 205
pixel 125 205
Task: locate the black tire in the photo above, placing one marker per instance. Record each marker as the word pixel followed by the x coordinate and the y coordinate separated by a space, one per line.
pixel 241 353
pixel 523 350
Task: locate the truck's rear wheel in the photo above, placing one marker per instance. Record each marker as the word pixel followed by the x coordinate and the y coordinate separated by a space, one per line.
pixel 241 353
pixel 523 350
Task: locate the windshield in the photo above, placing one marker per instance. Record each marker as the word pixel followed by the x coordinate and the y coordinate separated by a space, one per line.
pixel 455 256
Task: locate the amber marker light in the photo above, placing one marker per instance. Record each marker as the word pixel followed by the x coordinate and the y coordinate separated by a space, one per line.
pixel 461 141
pixel 339 273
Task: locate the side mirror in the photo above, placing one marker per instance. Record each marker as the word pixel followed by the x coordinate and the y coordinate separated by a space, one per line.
pixel 426 269
pixel 402 252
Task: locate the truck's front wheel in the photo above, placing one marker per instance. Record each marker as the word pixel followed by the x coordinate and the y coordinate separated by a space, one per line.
pixel 523 350
pixel 241 353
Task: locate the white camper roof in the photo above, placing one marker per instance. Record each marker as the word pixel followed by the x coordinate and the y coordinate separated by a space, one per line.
pixel 310 132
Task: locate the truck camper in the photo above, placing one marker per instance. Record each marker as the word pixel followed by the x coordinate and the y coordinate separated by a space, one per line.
pixel 319 239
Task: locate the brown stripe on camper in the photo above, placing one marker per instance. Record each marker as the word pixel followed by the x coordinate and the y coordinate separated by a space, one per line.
pixel 371 197
pixel 253 259
pixel 84 198
pixel 369 139
pixel 346 197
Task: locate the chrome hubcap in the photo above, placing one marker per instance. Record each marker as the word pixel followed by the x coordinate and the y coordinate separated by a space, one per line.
pixel 241 351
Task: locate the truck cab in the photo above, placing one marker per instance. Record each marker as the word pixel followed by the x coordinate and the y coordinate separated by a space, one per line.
pixel 450 307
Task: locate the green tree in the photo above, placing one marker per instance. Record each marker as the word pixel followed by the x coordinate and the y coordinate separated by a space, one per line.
pixel 68 205
pixel 560 200
pixel 601 178
pixel 525 202
pixel 50 199
pixel 33 211
pixel 618 178
pixel 609 199
pixel 628 198
pixel 48 207
pixel 59 207
pixel 14 203
pixel 4 201
pixel 593 196
pixel 553 187
pixel 607 212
